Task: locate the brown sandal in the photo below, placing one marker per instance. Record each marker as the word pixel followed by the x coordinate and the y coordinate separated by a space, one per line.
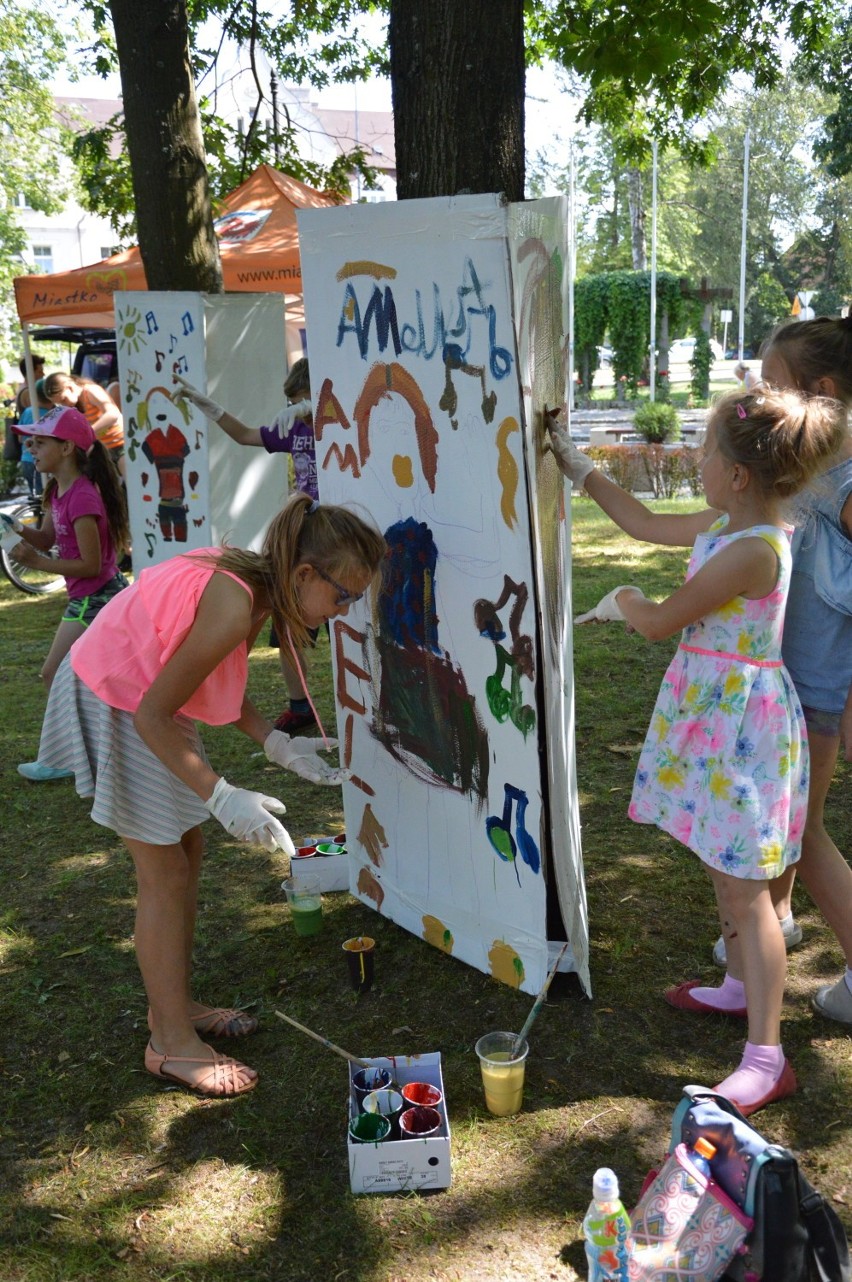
pixel 222 1078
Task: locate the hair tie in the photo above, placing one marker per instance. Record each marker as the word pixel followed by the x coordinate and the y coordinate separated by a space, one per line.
pixel 313 507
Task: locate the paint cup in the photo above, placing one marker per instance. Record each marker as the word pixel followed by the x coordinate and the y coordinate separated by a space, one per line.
pixel 303 896
pixel 330 848
pixel 422 1093
pixel 389 1104
pixel 502 1072
pixel 306 852
pixel 419 1123
pixel 370 1079
pixel 369 1128
pixel 359 958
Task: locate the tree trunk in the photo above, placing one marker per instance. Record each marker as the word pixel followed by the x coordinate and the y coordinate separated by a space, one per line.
pixel 457 77
pixel 637 218
pixel 176 238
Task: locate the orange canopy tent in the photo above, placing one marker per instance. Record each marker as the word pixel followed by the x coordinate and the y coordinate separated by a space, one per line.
pixel 258 242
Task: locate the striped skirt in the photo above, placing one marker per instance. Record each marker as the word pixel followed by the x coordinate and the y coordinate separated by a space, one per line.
pixel 134 793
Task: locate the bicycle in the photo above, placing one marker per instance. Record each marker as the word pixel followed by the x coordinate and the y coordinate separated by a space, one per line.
pixel 26 579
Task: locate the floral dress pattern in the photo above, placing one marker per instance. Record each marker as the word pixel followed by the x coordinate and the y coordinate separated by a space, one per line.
pixel 724 767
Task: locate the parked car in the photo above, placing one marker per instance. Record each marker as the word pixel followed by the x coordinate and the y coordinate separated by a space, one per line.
pixel 732 354
pixel 95 356
pixel 682 350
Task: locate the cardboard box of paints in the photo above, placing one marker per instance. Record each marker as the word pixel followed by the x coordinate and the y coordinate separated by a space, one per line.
pixel 332 870
pixel 409 1164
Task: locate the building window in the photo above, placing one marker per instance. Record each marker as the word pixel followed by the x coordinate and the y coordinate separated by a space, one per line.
pixel 43 258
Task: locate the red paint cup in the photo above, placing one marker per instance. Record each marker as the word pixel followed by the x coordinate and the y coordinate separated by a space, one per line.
pixel 422 1093
pixel 419 1123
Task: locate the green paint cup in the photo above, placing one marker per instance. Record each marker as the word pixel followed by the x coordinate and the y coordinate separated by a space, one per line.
pixel 305 900
pixel 369 1128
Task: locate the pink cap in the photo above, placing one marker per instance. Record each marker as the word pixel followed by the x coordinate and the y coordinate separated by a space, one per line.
pixel 65 424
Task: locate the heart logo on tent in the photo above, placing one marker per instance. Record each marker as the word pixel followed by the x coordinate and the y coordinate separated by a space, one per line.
pixel 107 281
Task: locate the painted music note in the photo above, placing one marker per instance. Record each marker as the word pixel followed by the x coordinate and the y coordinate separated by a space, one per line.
pixel 499 832
pixel 159 359
pixel 151 540
pixel 151 321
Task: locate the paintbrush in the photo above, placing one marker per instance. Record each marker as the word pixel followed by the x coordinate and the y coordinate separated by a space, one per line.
pixel 323 1041
pixel 537 1005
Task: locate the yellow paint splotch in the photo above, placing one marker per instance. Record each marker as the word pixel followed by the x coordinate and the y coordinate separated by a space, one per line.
pixel 506 965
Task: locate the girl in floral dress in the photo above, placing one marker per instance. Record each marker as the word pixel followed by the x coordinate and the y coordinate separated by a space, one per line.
pixel 724 768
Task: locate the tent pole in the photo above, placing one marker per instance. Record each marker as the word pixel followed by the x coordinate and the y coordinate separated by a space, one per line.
pixel 31 379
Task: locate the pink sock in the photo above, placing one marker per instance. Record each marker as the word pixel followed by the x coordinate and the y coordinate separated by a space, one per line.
pixel 759 1070
pixel 729 996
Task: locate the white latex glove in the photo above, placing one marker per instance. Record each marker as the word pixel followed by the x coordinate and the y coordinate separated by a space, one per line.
pixel 248 816
pixel 11 523
pixel 208 407
pixel 607 609
pixel 573 462
pixel 285 418
pixel 300 756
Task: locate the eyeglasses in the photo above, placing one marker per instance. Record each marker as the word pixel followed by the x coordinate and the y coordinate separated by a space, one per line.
pixel 346 597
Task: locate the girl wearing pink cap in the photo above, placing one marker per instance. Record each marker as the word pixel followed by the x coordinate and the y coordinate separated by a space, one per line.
pixel 85 516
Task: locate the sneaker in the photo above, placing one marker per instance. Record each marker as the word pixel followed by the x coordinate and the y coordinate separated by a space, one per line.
pixel 834 1001
pixel 792 939
pixel 38 773
pixel 295 722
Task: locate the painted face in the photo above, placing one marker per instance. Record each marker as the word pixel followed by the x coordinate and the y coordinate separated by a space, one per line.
pixel 322 597
pixel 715 471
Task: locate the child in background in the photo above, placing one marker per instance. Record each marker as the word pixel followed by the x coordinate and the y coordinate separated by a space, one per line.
pixel 171 650
pixel 31 474
pixel 100 410
pixel 724 767
pixel 291 433
pixel 86 516
pixel 816 357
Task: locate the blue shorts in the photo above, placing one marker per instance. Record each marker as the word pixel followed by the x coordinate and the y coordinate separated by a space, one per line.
pixel 819 722
pixel 82 609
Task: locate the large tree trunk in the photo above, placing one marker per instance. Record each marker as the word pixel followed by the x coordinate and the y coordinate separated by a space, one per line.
pixel 176 238
pixel 457 77
pixel 637 218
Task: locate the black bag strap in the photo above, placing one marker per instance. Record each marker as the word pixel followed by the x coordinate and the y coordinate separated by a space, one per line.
pixel 829 1247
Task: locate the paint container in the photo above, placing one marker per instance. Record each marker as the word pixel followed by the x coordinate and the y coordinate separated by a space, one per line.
pixel 419 1123
pixel 422 1093
pixel 359 960
pixel 330 848
pixel 306 852
pixel 369 1128
pixel 389 1104
pixel 502 1072
pixel 340 839
pixel 305 900
pixel 370 1079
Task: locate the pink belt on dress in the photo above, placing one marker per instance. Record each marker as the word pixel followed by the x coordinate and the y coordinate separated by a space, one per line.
pixel 740 658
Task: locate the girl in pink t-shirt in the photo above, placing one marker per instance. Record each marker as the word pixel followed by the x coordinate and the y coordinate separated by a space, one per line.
pixel 85 515
pixel 172 649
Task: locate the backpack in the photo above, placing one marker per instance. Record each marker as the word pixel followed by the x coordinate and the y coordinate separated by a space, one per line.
pixel 797 1236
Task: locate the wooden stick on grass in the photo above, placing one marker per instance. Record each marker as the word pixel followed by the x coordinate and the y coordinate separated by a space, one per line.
pixel 323 1041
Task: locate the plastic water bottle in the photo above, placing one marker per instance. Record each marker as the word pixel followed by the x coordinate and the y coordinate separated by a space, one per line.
pixel 606 1228
pixel 701 1155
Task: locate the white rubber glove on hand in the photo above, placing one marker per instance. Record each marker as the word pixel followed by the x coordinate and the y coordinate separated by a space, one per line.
pixel 11 523
pixel 607 609
pixel 190 393
pixel 573 462
pixel 300 756
pixel 285 418
pixel 248 816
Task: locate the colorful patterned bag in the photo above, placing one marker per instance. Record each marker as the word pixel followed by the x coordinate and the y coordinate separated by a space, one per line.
pixel 685 1228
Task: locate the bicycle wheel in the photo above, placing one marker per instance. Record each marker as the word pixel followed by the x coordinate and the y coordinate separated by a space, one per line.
pixel 36 582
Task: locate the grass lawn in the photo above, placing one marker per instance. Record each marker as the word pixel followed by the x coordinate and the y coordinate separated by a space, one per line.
pixel 107 1175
